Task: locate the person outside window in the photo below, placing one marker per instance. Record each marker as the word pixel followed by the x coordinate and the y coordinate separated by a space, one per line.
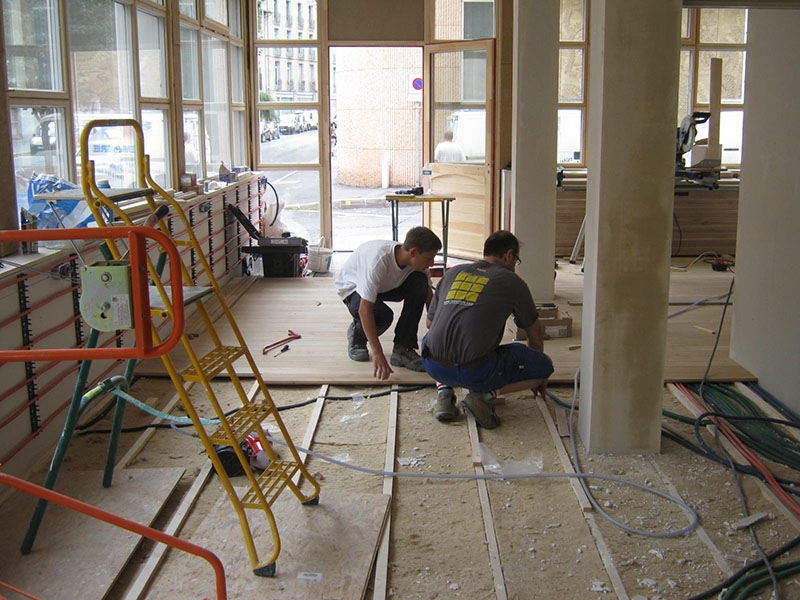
pixel 380 271
pixel 447 151
pixel 466 320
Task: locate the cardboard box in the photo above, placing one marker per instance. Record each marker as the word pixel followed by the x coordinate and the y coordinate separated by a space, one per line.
pixel 559 327
pixel 547 311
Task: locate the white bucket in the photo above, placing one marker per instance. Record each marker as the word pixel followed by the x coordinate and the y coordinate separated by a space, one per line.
pixel 319 257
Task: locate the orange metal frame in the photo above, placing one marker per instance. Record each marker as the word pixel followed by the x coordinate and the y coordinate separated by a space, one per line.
pixel 142 321
pixel 122 522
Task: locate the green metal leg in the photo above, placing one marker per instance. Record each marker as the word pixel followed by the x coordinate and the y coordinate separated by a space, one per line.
pixel 66 435
pixel 116 426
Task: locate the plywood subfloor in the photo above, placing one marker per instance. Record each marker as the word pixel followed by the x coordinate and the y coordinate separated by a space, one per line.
pixel 327 550
pixel 310 307
pixel 75 556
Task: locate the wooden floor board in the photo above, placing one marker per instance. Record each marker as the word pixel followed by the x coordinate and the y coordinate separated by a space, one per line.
pixel 309 306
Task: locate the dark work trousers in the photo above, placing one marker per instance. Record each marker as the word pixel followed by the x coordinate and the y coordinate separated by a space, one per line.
pixel 412 293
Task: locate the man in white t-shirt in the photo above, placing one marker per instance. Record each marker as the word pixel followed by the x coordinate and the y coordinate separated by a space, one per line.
pixel 447 151
pixel 381 271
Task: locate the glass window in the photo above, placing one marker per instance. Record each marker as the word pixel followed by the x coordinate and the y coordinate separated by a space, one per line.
pixel 235 18
pixel 302 145
pixel 684 87
pixel 216 102
pixel 239 138
pixel 39 142
pixel 270 76
pixel 570 75
pixel 237 74
pixel 152 56
pixel 217 10
pixel 299 196
pixel 572 21
pixel 730 135
pixel 723 26
pixel 33 44
pixel 572 81
pixel 715 33
pixel 155 125
pixel 732 75
pixel 100 43
pixel 570 136
pixel 190 65
pixel 113 151
pixel 188 8
pixel 459 106
pixel 272 14
pixel 464 19
pixel 193 148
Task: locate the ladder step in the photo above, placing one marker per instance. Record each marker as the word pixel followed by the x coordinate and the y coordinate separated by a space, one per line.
pixel 243 422
pixel 271 482
pixel 191 293
pixel 213 362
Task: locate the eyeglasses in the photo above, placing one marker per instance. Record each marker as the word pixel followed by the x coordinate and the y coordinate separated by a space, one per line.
pixel 517 260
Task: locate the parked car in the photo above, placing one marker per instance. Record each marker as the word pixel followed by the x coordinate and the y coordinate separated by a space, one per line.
pixel 269 131
pixel 44 136
pixel 288 123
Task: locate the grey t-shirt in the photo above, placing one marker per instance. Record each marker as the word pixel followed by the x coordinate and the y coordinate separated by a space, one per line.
pixel 470 309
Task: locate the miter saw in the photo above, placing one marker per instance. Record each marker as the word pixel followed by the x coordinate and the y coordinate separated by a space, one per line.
pixel 703 171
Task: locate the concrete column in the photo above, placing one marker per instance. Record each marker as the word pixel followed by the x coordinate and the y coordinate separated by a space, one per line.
pixel 533 155
pixel 633 96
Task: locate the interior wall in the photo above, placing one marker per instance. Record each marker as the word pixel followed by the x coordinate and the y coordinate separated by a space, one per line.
pixel 376 20
pixel 766 325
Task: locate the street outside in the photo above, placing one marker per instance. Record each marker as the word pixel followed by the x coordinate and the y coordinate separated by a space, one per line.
pixel 359 214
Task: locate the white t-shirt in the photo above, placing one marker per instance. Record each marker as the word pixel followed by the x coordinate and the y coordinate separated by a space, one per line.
pixel 372 269
pixel 449 152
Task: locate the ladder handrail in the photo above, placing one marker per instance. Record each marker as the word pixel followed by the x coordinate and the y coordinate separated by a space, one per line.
pixel 122 522
pixel 140 293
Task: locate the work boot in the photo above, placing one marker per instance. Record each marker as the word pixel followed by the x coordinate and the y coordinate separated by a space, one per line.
pixel 406 357
pixel 445 407
pixel 355 350
pixel 478 405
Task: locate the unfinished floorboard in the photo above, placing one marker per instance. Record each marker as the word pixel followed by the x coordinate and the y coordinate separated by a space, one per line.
pixel 75 556
pixel 382 561
pixel 486 511
pixel 326 550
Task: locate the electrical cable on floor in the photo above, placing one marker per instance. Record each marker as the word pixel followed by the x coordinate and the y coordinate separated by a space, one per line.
pixel 176 423
pixel 734 473
pixel 744 570
pixel 694 305
pixel 690 513
pixel 693 519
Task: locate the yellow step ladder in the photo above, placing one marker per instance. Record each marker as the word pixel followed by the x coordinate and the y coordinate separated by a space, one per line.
pixel 254 413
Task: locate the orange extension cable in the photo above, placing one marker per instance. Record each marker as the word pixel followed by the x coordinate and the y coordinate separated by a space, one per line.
pixel 731 436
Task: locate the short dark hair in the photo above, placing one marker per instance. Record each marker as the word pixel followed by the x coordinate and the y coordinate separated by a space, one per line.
pixel 499 243
pixel 423 239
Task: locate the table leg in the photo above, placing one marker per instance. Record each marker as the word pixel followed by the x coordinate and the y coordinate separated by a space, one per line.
pixel 445 222
pixel 395 218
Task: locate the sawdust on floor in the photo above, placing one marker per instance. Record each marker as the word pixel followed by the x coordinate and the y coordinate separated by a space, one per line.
pixel 549 547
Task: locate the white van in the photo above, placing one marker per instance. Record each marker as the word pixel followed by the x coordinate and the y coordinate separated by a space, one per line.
pixel 469 132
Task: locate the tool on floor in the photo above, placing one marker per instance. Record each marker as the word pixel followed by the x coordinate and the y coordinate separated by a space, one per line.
pixel 282 350
pixel 292 336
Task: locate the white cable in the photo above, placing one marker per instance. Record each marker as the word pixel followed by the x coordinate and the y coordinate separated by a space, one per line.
pixel 578 475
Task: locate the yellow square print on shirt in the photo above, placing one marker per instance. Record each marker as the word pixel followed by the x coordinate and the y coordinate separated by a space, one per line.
pixel 466 287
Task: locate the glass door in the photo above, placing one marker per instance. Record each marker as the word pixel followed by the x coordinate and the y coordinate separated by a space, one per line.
pixel 459 131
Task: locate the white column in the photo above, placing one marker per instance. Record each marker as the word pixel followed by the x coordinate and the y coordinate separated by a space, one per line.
pixel 533 155
pixel 633 95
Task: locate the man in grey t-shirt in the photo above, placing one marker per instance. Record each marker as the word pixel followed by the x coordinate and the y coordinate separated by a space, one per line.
pixel 466 320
